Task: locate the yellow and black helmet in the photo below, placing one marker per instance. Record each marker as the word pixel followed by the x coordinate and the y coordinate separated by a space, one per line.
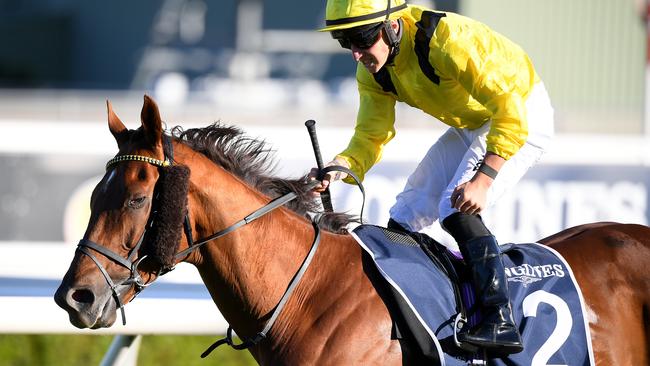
pixel 344 14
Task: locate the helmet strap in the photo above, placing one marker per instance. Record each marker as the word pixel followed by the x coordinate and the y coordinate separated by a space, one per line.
pixel 394 39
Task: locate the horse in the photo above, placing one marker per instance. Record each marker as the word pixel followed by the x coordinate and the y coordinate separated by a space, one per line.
pixel 161 191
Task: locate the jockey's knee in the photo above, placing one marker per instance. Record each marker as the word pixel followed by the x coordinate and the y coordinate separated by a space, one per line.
pixel 465 227
pixel 392 224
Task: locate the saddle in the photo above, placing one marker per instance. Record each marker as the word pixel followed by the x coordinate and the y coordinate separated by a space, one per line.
pixel 427 290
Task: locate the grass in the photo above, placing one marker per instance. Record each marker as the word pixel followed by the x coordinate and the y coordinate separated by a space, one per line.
pixel 73 350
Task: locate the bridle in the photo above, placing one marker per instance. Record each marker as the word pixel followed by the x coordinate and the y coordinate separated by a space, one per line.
pixel 87 247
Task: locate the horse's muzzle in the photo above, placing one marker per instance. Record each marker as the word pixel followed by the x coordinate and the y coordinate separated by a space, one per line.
pixel 85 308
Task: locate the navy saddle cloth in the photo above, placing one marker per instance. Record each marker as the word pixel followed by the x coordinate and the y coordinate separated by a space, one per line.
pixel 546 300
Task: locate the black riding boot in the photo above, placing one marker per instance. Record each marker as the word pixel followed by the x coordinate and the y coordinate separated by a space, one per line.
pixel 497 332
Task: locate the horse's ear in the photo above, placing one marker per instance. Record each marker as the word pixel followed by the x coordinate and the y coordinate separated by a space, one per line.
pixel 115 124
pixel 151 123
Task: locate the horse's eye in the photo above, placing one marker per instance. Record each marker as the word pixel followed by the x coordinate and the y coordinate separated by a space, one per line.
pixel 137 202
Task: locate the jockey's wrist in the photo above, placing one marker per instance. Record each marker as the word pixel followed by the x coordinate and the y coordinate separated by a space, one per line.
pixel 337 175
pixel 339 160
pixel 488 170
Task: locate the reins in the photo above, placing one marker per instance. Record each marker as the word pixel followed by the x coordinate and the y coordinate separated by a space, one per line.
pixel 275 203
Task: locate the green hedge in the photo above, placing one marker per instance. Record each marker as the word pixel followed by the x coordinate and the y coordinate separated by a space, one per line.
pixel 72 350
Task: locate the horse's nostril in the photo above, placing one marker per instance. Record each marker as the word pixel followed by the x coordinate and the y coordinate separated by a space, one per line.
pixel 83 296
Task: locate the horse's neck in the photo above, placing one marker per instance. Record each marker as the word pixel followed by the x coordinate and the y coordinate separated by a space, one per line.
pixel 248 270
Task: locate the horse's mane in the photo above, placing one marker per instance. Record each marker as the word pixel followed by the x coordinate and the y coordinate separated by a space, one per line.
pixel 251 160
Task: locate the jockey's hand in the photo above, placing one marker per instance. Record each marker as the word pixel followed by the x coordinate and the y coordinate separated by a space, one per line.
pixel 471 197
pixel 329 177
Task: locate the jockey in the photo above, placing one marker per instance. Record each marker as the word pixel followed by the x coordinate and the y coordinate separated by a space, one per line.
pixel 485 88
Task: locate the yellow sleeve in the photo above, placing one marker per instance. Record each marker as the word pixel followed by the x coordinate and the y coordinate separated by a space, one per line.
pixel 374 128
pixel 494 71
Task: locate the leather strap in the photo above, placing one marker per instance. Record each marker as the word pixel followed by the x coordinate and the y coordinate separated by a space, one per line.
pixel 280 201
pixel 247 343
pixel 350 173
pixel 113 287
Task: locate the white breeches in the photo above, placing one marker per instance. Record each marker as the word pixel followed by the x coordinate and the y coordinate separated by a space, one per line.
pixel 453 159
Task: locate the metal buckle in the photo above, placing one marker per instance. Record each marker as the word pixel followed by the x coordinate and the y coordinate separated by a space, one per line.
pixel 459 324
pixel 136 278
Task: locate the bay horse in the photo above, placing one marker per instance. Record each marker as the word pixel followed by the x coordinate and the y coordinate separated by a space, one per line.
pixel 335 316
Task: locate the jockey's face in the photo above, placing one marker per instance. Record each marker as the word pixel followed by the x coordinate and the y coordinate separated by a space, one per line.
pixel 373 57
pixel 368 44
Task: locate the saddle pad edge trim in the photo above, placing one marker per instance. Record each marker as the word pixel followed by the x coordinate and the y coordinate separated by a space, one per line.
pixel 408 302
pixel 582 300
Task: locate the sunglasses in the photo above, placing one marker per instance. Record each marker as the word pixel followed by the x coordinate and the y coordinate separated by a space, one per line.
pixel 362 37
